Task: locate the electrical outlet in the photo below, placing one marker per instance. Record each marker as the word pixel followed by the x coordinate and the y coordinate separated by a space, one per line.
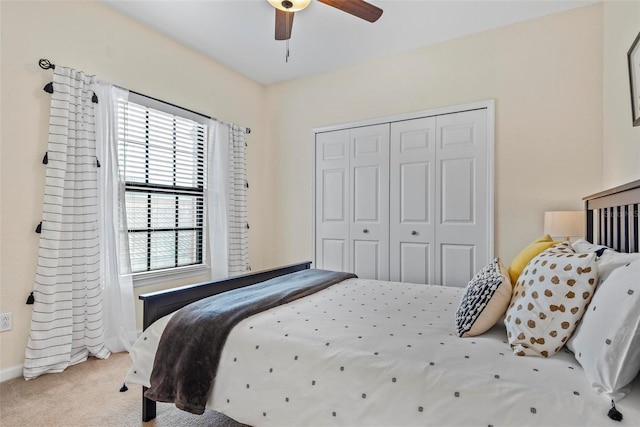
pixel 6 321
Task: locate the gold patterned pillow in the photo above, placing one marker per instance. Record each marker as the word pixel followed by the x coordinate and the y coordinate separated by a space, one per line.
pixel 549 300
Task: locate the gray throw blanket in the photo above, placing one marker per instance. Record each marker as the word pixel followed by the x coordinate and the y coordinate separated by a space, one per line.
pixel 186 362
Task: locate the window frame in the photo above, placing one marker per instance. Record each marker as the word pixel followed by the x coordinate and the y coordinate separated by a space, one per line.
pixel 150 277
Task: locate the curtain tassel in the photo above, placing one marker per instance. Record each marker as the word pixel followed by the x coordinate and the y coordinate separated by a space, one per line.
pixel 39 228
pixel 31 299
pixel 246 184
pixel 614 414
pixel 124 388
pixel 49 89
pixel 45 159
pixel 248 226
pixel 97 162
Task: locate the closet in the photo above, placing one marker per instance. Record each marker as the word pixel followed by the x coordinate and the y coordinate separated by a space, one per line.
pixel 408 198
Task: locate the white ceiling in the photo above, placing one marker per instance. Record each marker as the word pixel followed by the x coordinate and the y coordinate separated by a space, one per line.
pixel 240 33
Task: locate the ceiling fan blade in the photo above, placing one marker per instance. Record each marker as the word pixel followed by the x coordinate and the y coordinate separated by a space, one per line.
pixel 359 8
pixel 284 24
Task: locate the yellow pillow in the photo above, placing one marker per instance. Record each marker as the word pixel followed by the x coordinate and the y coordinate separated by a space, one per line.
pixel 527 254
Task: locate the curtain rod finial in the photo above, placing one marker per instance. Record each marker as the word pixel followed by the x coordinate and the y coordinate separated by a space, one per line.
pixel 45 64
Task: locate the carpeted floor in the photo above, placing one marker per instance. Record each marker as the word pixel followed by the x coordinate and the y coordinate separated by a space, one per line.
pixel 88 395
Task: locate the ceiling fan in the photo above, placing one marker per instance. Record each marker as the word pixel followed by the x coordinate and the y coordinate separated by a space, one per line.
pixel 286 8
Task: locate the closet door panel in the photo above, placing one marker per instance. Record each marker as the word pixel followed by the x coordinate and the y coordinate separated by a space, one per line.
pixel 366 259
pixel 462 179
pixel 369 209
pixel 415 263
pixel 413 191
pixel 458 191
pixel 412 195
pixel 366 194
pixel 334 253
pixel 334 208
pixel 458 264
pixel 332 200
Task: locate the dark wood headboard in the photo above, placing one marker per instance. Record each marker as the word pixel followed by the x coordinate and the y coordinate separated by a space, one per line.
pixel 612 217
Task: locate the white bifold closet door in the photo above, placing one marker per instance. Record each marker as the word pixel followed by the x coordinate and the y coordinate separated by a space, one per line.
pixel 412 201
pixel 462 197
pixel 439 195
pixel 369 227
pixel 352 201
pixel 332 201
pixel 406 201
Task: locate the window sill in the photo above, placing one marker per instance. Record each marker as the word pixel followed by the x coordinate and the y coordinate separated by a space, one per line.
pixel 170 274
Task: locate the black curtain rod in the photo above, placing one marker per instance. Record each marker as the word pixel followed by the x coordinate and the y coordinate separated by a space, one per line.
pixel 45 64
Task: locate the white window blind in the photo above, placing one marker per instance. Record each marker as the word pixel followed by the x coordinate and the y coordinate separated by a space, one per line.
pixel 162 161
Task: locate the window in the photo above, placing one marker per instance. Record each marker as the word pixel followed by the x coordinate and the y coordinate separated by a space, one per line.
pixel 162 161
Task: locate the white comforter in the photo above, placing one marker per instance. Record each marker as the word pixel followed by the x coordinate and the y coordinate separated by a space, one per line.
pixel 367 352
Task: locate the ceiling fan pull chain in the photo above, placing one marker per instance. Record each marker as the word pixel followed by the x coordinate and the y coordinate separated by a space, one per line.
pixel 287 5
pixel 286 58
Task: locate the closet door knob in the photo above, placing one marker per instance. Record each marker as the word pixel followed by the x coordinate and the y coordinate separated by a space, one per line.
pixel 414 233
pixel 365 231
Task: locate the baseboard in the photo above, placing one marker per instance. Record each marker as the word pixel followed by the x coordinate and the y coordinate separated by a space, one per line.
pixel 16 371
pixel 11 373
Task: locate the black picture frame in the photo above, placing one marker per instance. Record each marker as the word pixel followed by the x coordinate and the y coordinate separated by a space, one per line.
pixel 633 59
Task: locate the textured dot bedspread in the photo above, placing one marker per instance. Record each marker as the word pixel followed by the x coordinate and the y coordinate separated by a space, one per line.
pixel 366 352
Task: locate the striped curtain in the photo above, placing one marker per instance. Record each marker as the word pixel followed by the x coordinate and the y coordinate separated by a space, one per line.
pixel 227 200
pixel 66 323
pixel 237 205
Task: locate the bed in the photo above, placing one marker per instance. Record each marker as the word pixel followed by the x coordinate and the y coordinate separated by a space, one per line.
pixel 364 352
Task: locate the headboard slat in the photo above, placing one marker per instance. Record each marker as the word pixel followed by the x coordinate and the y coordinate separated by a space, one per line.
pixel 633 228
pixel 624 224
pixel 617 240
pixel 612 217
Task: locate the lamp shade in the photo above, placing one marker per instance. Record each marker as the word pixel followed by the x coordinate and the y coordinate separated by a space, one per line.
pixel 565 224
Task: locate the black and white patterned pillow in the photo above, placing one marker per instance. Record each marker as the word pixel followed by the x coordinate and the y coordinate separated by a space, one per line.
pixel 485 300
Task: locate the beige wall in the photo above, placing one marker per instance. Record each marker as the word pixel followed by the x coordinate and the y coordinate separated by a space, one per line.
pixel 546 78
pixel 621 148
pixel 88 36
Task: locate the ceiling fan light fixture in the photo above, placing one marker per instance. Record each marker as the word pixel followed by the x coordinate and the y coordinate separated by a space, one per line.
pixel 289 5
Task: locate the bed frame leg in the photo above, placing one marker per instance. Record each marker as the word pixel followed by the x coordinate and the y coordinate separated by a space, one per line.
pixel 148 407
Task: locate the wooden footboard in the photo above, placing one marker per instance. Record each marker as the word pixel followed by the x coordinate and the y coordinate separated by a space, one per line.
pixel 159 304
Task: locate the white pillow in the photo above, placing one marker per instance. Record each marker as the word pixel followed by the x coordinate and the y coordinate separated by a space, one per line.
pixel 607 341
pixel 582 246
pixel 610 260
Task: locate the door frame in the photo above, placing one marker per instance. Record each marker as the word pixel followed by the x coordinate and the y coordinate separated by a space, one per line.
pixel 489 105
